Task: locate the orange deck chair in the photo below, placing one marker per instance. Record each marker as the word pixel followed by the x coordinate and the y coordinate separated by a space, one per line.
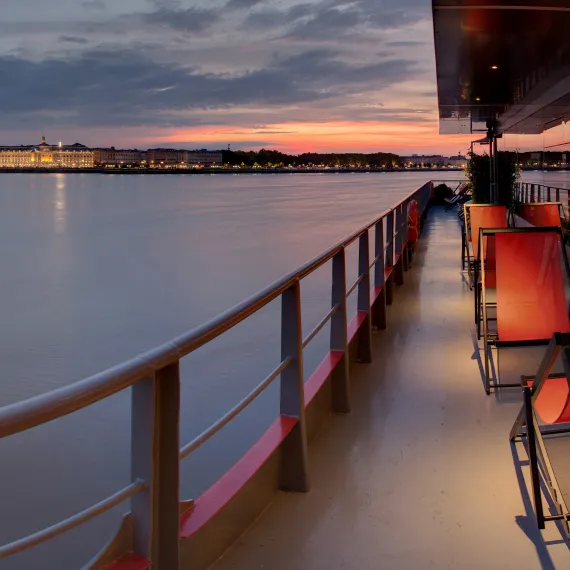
pixel 541 214
pixel 531 275
pixel 547 404
pixel 479 216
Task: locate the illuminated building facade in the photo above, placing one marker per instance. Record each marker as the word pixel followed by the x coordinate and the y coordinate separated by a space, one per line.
pixel 45 155
pixel 117 157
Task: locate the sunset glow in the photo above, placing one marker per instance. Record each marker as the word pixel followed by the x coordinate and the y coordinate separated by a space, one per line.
pixel 296 138
pixel 323 76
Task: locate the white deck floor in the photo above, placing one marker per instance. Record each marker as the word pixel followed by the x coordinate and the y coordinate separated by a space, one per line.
pixel 421 474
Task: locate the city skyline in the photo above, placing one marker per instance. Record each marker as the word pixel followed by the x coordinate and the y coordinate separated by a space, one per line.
pixel 324 76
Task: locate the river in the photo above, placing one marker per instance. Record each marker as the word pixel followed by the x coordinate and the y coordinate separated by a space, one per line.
pixel 98 268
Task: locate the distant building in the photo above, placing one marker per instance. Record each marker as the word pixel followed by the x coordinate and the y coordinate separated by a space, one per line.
pixel 113 157
pixel 45 155
pixel 203 157
pixel 423 160
pixel 456 161
pixel 164 157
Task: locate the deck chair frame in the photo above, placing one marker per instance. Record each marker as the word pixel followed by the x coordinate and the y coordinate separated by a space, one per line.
pixel 471 261
pixel 489 341
pixel 526 427
pixel 460 192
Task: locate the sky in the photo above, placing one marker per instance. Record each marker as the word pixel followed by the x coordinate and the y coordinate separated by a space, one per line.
pixel 296 75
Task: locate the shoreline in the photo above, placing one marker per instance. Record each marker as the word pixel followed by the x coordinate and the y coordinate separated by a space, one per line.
pixel 230 171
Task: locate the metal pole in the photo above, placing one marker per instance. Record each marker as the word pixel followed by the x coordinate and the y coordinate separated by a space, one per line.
pixel 340 379
pixel 399 267
pixel 532 458
pixel 404 231
pixel 365 331
pixel 495 172
pixel 155 449
pixel 548 195
pixel 379 307
pixel 532 192
pixel 390 257
pixel 294 474
pixel 491 171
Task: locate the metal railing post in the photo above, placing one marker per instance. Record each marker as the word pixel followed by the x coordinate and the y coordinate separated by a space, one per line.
pixel 558 194
pixel 379 307
pixel 539 193
pixel 548 195
pixel 404 232
pixel 155 449
pixel 340 379
pixel 364 341
pixel 532 192
pixel 294 474
pixel 399 267
pixel 390 257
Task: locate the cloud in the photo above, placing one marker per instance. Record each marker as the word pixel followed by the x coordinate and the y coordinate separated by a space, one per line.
pixel 94 4
pixel 166 64
pixel 124 88
pixel 189 20
pixel 271 18
pixel 73 40
pixel 327 24
pixel 241 4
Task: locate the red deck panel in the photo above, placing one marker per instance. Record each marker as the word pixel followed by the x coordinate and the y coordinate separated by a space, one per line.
pixel 485 217
pixel 129 562
pixel 355 324
pixel 531 303
pixel 490 266
pixel 319 376
pixel 225 488
pixel 374 294
pixel 541 215
pixel 553 402
pixel 387 272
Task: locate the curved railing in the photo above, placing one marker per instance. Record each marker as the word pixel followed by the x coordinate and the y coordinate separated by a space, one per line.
pixel 155 380
pixel 529 192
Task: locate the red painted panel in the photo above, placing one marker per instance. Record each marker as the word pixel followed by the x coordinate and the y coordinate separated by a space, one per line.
pixel 355 324
pixel 490 266
pixel 129 562
pixel 225 488
pixel 320 375
pixel 485 217
pixel 553 402
pixel 541 214
pixel 531 303
pixel 387 272
pixel 374 294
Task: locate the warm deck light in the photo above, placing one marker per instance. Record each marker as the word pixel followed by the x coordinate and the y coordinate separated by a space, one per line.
pixel 477 98
pixel 495 67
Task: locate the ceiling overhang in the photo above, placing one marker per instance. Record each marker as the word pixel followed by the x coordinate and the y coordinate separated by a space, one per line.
pixel 502 62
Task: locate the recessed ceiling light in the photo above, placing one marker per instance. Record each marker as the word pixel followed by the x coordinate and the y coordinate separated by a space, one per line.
pixel 477 98
pixel 494 67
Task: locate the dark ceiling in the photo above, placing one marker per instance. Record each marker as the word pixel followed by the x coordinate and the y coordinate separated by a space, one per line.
pixel 502 61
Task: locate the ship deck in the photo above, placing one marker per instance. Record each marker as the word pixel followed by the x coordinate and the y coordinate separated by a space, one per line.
pixel 421 474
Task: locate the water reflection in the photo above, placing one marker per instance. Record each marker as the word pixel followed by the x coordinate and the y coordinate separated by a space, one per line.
pixel 60 204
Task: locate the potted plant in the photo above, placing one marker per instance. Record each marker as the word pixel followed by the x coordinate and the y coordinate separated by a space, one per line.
pixel 478 174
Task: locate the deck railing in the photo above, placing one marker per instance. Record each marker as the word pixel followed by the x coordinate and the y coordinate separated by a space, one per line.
pixel 155 381
pixel 528 192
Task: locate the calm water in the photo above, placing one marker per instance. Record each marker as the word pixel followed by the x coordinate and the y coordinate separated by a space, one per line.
pixel 96 269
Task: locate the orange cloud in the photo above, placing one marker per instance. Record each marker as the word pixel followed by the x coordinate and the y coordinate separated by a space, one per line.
pixel 403 138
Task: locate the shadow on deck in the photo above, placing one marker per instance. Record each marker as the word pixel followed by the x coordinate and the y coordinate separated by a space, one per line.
pixel 420 474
